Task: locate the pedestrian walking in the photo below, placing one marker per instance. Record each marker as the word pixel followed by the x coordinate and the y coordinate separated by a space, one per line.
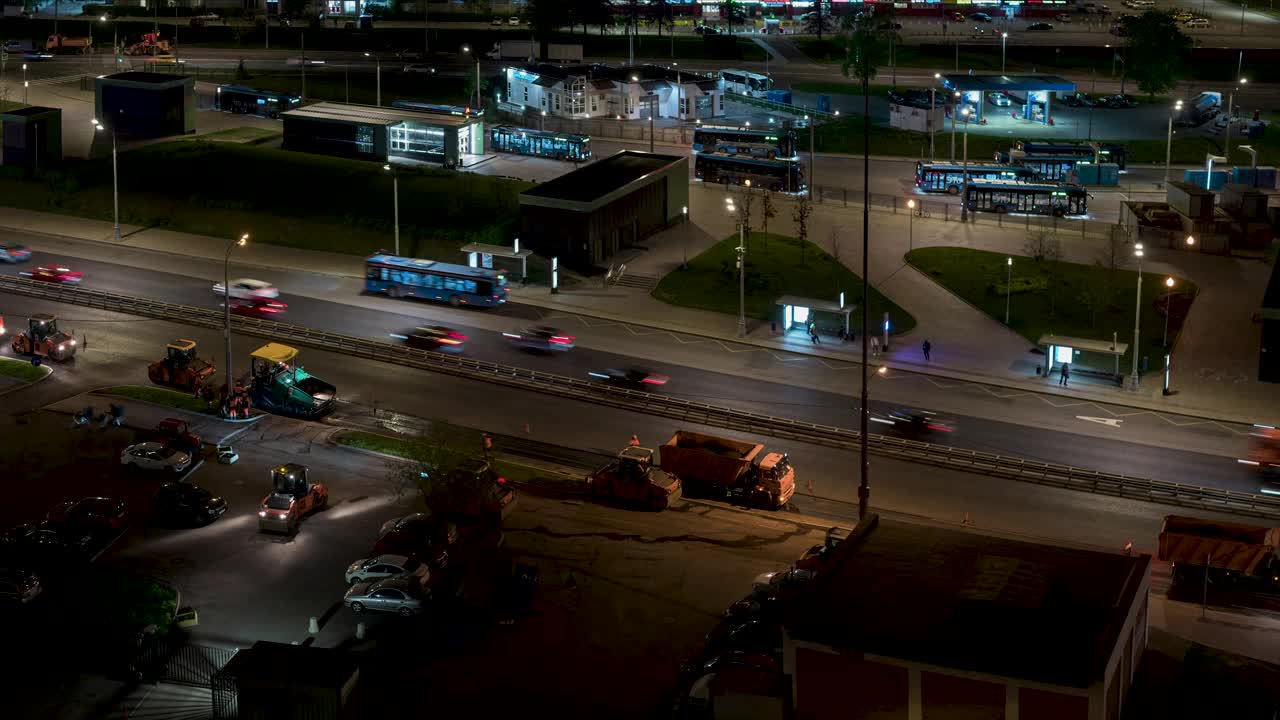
pixel 875 345
pixel 926 347
pixel 813 333
pixel 1064 374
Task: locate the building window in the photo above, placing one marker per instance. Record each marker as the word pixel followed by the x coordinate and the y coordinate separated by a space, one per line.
pixel 721 103
pixel 593 103
pixel 557 96
pixel 526 94
pixel 628 105
pixel 684 106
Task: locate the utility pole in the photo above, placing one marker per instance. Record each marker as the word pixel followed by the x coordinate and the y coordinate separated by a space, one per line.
pixel 303 37
pixel 426 28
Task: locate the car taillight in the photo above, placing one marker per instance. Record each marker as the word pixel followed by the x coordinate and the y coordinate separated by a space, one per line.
pixel 561 339
pixel 655 380
pixel 502 481
pixel 450 341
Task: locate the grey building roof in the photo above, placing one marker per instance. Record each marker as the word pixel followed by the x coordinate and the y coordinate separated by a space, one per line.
pixel 371 115
pixel 971 602
pixel 592 185
pixel 1016 83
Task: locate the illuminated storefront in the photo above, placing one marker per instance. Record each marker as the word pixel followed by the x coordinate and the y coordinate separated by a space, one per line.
pixel 374 133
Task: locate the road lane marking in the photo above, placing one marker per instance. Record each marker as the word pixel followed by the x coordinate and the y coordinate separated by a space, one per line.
pixel 1110 422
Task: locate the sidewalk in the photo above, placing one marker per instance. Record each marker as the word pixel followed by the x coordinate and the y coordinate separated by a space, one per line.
pixel 968 346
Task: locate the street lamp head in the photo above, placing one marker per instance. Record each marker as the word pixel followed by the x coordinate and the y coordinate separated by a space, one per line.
pixel 1244 80
pixel 748 183
pixel 466 48
pixel 1191 240
pixel 1009 262
pixel 911 204
pixel 1137 253
pixel 1004 36
pixel 103 18
pixel 387 167
pixel 243 239
pixel 748 123
pixel 882 370
pixel 685 209
pixel 837 113
pixel 1168 282
pixel 367 55
pixel 937 76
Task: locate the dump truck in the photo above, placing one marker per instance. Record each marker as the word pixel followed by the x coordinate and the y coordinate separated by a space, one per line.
pixel 721 468
pixel 283 387
pixel 61 44
pixel 631 478
pixel 1235 564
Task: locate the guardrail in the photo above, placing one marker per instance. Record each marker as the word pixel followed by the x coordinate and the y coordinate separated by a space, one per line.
pixel 1053 475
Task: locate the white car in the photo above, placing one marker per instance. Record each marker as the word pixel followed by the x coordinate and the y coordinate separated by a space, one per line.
pixel 155 456
pixel 246 289
pixel 385 566
pixel 999 99
pixel 418 68
pixel 513 21
pixel 1196 22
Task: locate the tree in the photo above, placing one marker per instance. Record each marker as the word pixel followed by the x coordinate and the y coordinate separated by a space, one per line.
pixel 471 86
pixel 294 8
pixel 800 215
pixel 660 12
pixel 835 243
pixel 1157 47
pixel 590 12
pixel 547 16
pixel 241 75
pixel 1044 248
pixel 1095 297
pixel 866 51
pixel 733 12
pixel 819 20
pixel 767 213
pixel 440 465
pixel 745 202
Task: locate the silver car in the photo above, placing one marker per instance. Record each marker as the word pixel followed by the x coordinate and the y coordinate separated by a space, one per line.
pixel 398 595
pixel 385 566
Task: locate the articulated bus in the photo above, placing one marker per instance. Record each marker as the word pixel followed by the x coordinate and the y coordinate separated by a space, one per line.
pixel 430 280
pixel 769 144
pixel 1012 196
pixel 943 177
pixel 249 101
pixel 522 141
pixel 746 83
pixel 776 175
pixel 434 109
pixel 1081 152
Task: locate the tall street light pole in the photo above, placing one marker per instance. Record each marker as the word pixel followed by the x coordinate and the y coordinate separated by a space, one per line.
pixel 1231 104
pixel 1168 302
pixel 864 467
pixel 378 75
pixel 933 104
pixel 955 111
pixel 25 84
pixel 964 193
pixel 1137 319
pixel 1168 148
pixel 809 191
pixel 742 264
pixel 911 223
pixel 1004 41
pixel 395 202
pixel 115 179
pixel 226 307
pixel 476 57
pixel 1008 288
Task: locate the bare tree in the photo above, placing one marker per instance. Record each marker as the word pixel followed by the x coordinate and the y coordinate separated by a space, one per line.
pixel 1043 247
pixel 745 203
pixel 438 465
pixel 800 215
pixel 835 243
pixel 1095 297
pixel 767 213
pixel 1111 255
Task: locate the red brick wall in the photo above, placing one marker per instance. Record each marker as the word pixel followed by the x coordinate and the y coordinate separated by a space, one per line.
pixel 848 687
pixel 946 697
pixel 1047 705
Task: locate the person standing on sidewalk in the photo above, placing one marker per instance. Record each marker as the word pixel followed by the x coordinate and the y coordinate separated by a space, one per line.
pixel 1064 374
pixel 926 347
pixel 813 333
pixel 875 346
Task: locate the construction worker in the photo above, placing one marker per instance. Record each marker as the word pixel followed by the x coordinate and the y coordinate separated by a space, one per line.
pixel 634 441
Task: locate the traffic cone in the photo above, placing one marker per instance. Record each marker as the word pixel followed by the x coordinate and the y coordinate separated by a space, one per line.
pixel 526 429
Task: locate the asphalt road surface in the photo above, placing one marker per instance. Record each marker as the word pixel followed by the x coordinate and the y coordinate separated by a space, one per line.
pixel 1031 439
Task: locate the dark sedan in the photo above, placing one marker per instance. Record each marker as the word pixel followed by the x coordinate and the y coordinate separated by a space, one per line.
pixel 187 504
pixel 910 423
pixel 634 378
pixel 421 535
pixel 91 513
pixel 45 538
pixel 435 337
pixel 1039 27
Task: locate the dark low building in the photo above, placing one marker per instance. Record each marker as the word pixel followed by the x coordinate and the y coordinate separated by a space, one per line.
pixel 586 216
pixel 367 132
pixel 146 104
pixel 911 621
pixel 1269 353
pixel 32 137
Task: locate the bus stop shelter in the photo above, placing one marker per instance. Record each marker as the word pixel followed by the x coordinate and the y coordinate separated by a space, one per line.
pixel 481 255
pixel 1062 349
pixel 798 311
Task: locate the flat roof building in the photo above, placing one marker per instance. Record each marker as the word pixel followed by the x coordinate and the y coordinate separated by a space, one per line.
pixel 605 91
pixel 367 132
pixel 146 104
pixel 585 216
pixel 32 137
pixel 910 620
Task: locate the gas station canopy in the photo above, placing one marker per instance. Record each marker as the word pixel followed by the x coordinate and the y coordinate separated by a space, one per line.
pixel 1008 83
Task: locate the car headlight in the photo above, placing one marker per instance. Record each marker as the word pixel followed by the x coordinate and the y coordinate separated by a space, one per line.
pixel 262 513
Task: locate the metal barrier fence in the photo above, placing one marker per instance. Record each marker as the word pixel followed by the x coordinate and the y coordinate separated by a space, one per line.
pixel 1062 476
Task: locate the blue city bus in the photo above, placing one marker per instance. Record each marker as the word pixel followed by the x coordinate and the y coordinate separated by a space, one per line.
pixel 1012 196
pixel 1080 152
pixel 538 143
pixel 250 101
pixel 771 144
pixel 947 178
pixel 430 280
pixel 434 109
pixel 776 175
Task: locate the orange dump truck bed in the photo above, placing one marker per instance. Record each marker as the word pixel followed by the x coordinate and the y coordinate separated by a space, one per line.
pixel 707 458
pixel 1221 545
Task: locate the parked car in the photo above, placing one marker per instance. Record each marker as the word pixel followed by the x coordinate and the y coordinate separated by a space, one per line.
pixel 752 636
pixel 781 580
pixel 155 456
pixel 1039 27
pixel 1063 18
pixel 1196 22
pixel 417 535
pixel 248 289
pixel 90 513
pixel 14 253
pixel 999 99
pixel 46 537
pixel 1121 101
pixel 1077 99
pixel 187 504
pixel 397 594
pixel 889 25
pixel 955 16
pixel 496 21
pixel 706 30
pixel 18 587
pixel 513 21
pixel 541 339
pixel 385 566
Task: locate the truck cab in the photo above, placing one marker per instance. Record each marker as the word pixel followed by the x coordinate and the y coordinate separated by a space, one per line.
pixel 775 479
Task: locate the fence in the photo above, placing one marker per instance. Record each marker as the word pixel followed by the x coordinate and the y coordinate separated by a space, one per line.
pixel 173 659
pixel 679 409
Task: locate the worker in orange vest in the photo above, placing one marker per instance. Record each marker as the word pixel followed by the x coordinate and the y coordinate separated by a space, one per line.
pixel 634 441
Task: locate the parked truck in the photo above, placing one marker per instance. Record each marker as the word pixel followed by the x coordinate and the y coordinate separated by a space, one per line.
pixel 62 44
pixel 564 53
pixel 514 50
pixel 717 467
pixel 1230 563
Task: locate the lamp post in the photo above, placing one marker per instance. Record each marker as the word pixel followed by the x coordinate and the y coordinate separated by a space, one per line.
pixel 1004 41
pixel 742 265
pixel 685 227
pixel 809 190
pixel 378 75
pixel 1191 241
pixel 395 202
pixel 25 84
pixel 474 56
pixel 1008 288
pixel 115 180
pixel 226 308
pixel 953 127
pixel 1168 148
pixel 964 193
pixel 933 104
pixel 1231 104
pixel 911 222
pixel 1164 340
pixel 542 121
pixel 1137 318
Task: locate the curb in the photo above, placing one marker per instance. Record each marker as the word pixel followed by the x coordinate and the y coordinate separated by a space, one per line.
pixel 975 378
pixel 23 385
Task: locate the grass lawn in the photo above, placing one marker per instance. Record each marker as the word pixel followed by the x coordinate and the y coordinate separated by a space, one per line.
pixel 20 369
pixel 776 265
pixel 280 197
pixel 159 396
pixel 239 135
pixel 400 447
pixel 1061 298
